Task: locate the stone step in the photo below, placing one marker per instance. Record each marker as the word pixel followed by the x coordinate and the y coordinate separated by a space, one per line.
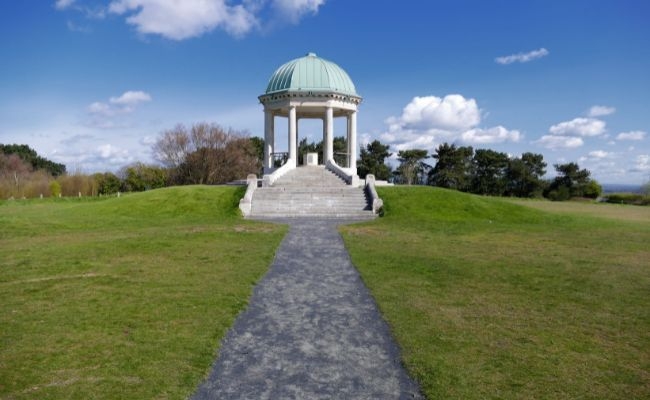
pixel 281 215
pixel 311 200
pixel 281 189
pixel 325 205
pixel 310 192
pixel 309 197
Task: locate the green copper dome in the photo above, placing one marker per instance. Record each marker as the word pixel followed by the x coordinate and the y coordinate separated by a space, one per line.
pixel 311 74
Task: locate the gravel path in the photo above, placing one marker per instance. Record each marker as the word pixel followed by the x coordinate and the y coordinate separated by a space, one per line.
pixel 311 330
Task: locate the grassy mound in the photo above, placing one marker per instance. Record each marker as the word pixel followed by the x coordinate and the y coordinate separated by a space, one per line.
pixel 123 297
pixel 490 299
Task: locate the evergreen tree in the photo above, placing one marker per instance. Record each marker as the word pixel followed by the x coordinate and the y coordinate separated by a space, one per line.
pixel 524 176
pixel 571 181
pixel 453 167
pixel 489 172
pixel 372 161
pixel 30 156
pixel 411 168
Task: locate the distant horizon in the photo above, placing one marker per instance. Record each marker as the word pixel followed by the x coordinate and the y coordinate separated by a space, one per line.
pixel 91 84
pixel 608 187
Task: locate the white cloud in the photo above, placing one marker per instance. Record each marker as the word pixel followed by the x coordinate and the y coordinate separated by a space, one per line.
pixel 600 111
pixel 131 98
pixel 184 19
pixel 127 102
pixel 429 120
pixel 642 163
pixel 365 139
pixel 101 109
pixel 147 140
pixel 453 112
pixel 632 135
pixel 63 4
pixel 119 105
pixel 498 134
pixel 180 20
pixel 559 142
pixel 112 153
pixel 522 57
pixel 579 127
pixel 101 158
pixel 599 154
pixel 293 10
pixel 103 113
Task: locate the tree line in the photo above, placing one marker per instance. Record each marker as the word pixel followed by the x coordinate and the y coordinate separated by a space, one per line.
pixel 480 171
pixel 209 154
pixel 202 154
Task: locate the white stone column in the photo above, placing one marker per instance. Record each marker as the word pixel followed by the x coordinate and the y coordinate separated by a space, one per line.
pixel 297 137
pixel 329 126
pixel 324 156
pixel 292 136
pixel 348 141
pixel 352 142
pixel 269 140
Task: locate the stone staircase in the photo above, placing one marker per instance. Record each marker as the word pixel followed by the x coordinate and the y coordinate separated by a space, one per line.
pixel 310 191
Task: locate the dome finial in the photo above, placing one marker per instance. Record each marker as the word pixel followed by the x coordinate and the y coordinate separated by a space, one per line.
pixel 311 54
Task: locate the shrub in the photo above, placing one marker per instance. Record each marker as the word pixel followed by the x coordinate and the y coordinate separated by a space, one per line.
pixel 628 198
pixel 55 189
pixel 37 184
pixel 72 185
pixel 139 177
pixel 592 190
pixel 107 183
pixel 562 193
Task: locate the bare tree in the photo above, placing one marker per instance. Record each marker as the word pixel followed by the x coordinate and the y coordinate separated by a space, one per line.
pixel 13 172
pixel 206 154
pixel 172 146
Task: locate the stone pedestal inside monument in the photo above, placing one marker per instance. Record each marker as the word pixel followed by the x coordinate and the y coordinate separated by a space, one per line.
pixel 311 159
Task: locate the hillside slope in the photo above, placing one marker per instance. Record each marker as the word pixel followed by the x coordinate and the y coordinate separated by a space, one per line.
pixel 490 299
pixel 123 297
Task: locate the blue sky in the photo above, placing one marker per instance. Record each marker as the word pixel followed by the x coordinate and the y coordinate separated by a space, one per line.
pixel 92 83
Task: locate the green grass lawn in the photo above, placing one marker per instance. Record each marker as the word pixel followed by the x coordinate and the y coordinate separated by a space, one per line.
pixel 123 297
pixel 490 299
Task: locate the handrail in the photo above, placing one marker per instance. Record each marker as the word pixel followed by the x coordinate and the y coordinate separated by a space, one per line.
pixel 246 203
pixel 376 202
pixel 344 173
pixel 269 179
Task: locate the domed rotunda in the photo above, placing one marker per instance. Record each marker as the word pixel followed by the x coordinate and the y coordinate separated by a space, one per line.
pixel 310 87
